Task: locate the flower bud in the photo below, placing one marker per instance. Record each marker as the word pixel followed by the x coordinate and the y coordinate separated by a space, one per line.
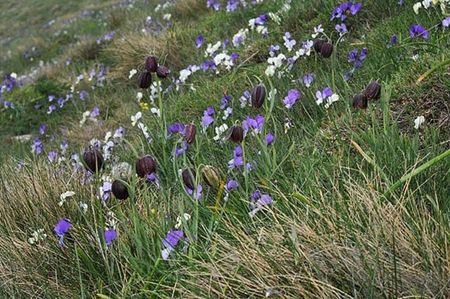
pixel 120 190
pixel 188 176
pixel 211 176
pixel 162 71
pixel 236 134
pixel 372 91
pixel 258 96
pixel 326 50
pixel 189 133
pixel 359 102
pixel 151 64
pixel 145 165
pixel 145 80
pixel 318 45
pixel 93 159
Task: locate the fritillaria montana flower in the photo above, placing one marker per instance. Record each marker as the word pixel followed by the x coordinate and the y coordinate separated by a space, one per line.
pixel 93 159
pixel 119 189
pixel 61 229
pixel 145 166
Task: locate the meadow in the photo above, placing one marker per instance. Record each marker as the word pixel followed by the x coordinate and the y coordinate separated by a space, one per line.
pixel 225 149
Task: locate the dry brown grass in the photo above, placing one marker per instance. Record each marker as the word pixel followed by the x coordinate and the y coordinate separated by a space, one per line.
pixel 327 252
pixel 129 52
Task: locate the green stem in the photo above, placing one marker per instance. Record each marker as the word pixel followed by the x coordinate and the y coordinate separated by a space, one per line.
pixel 416 171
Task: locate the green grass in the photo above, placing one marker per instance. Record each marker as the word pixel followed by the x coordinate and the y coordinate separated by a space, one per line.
pixel 361 198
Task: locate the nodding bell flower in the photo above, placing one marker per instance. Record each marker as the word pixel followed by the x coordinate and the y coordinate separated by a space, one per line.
pixel 211 176
pixel 93 159
pixel 190 131
pixel 145 166
pixel 151 65
pixel 258 96
pixel 372 91
pixel 145 80
pixel 359 102
pixel 318 45
pixel 188 176
pixel 236 134
pixel 162 71
pixel 326 50
pixel 120 190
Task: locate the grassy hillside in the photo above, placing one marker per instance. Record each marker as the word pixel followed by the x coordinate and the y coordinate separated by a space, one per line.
pixel 299 149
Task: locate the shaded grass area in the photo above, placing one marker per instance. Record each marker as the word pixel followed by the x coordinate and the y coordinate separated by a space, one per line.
pixel 330 232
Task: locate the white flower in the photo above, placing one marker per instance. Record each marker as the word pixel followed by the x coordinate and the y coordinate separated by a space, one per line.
pixel 227 112
pixel 418 122
pixel 83 207
pixel 211 49
pixel 219 131
pixel 331 100
pixel 186 217
pixel 184 74
pixel 139 96
pixel 84 117
pixel 167 17
pixel 135 118
pixel 132 73
pixel 155 111
pixel 64 196
pixel 416 7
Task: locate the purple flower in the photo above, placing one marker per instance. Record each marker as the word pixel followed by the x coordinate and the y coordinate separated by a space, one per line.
pixel 308 79
pixel 83 95
pixel 8 104
pixel 61 229
pixel 172 238
pixel 344 9
pixel 270 138
pixel 291 98
pixel 259 21
pixel 199 41
pixel 225 101
pixel 356 58
pixel 214 4
pixel 181 149
pixel 232 5
pixel 37 147
pixel 238 159
pixel 153 178
pixel 52 156
pixel 105 190
pixel 255 124
pixel 197 193
pixel 446 22
pixel 234 56
pixel 95 112
pixel 341 28
pixel 418 31
pixel 273 49
pixel 176 128
pixel 258 202
pixel 207 118
pixel 231 185
pixel 42 129
pixel 393 40
pixel 110 235
pixel 51 108
pixel 245 98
